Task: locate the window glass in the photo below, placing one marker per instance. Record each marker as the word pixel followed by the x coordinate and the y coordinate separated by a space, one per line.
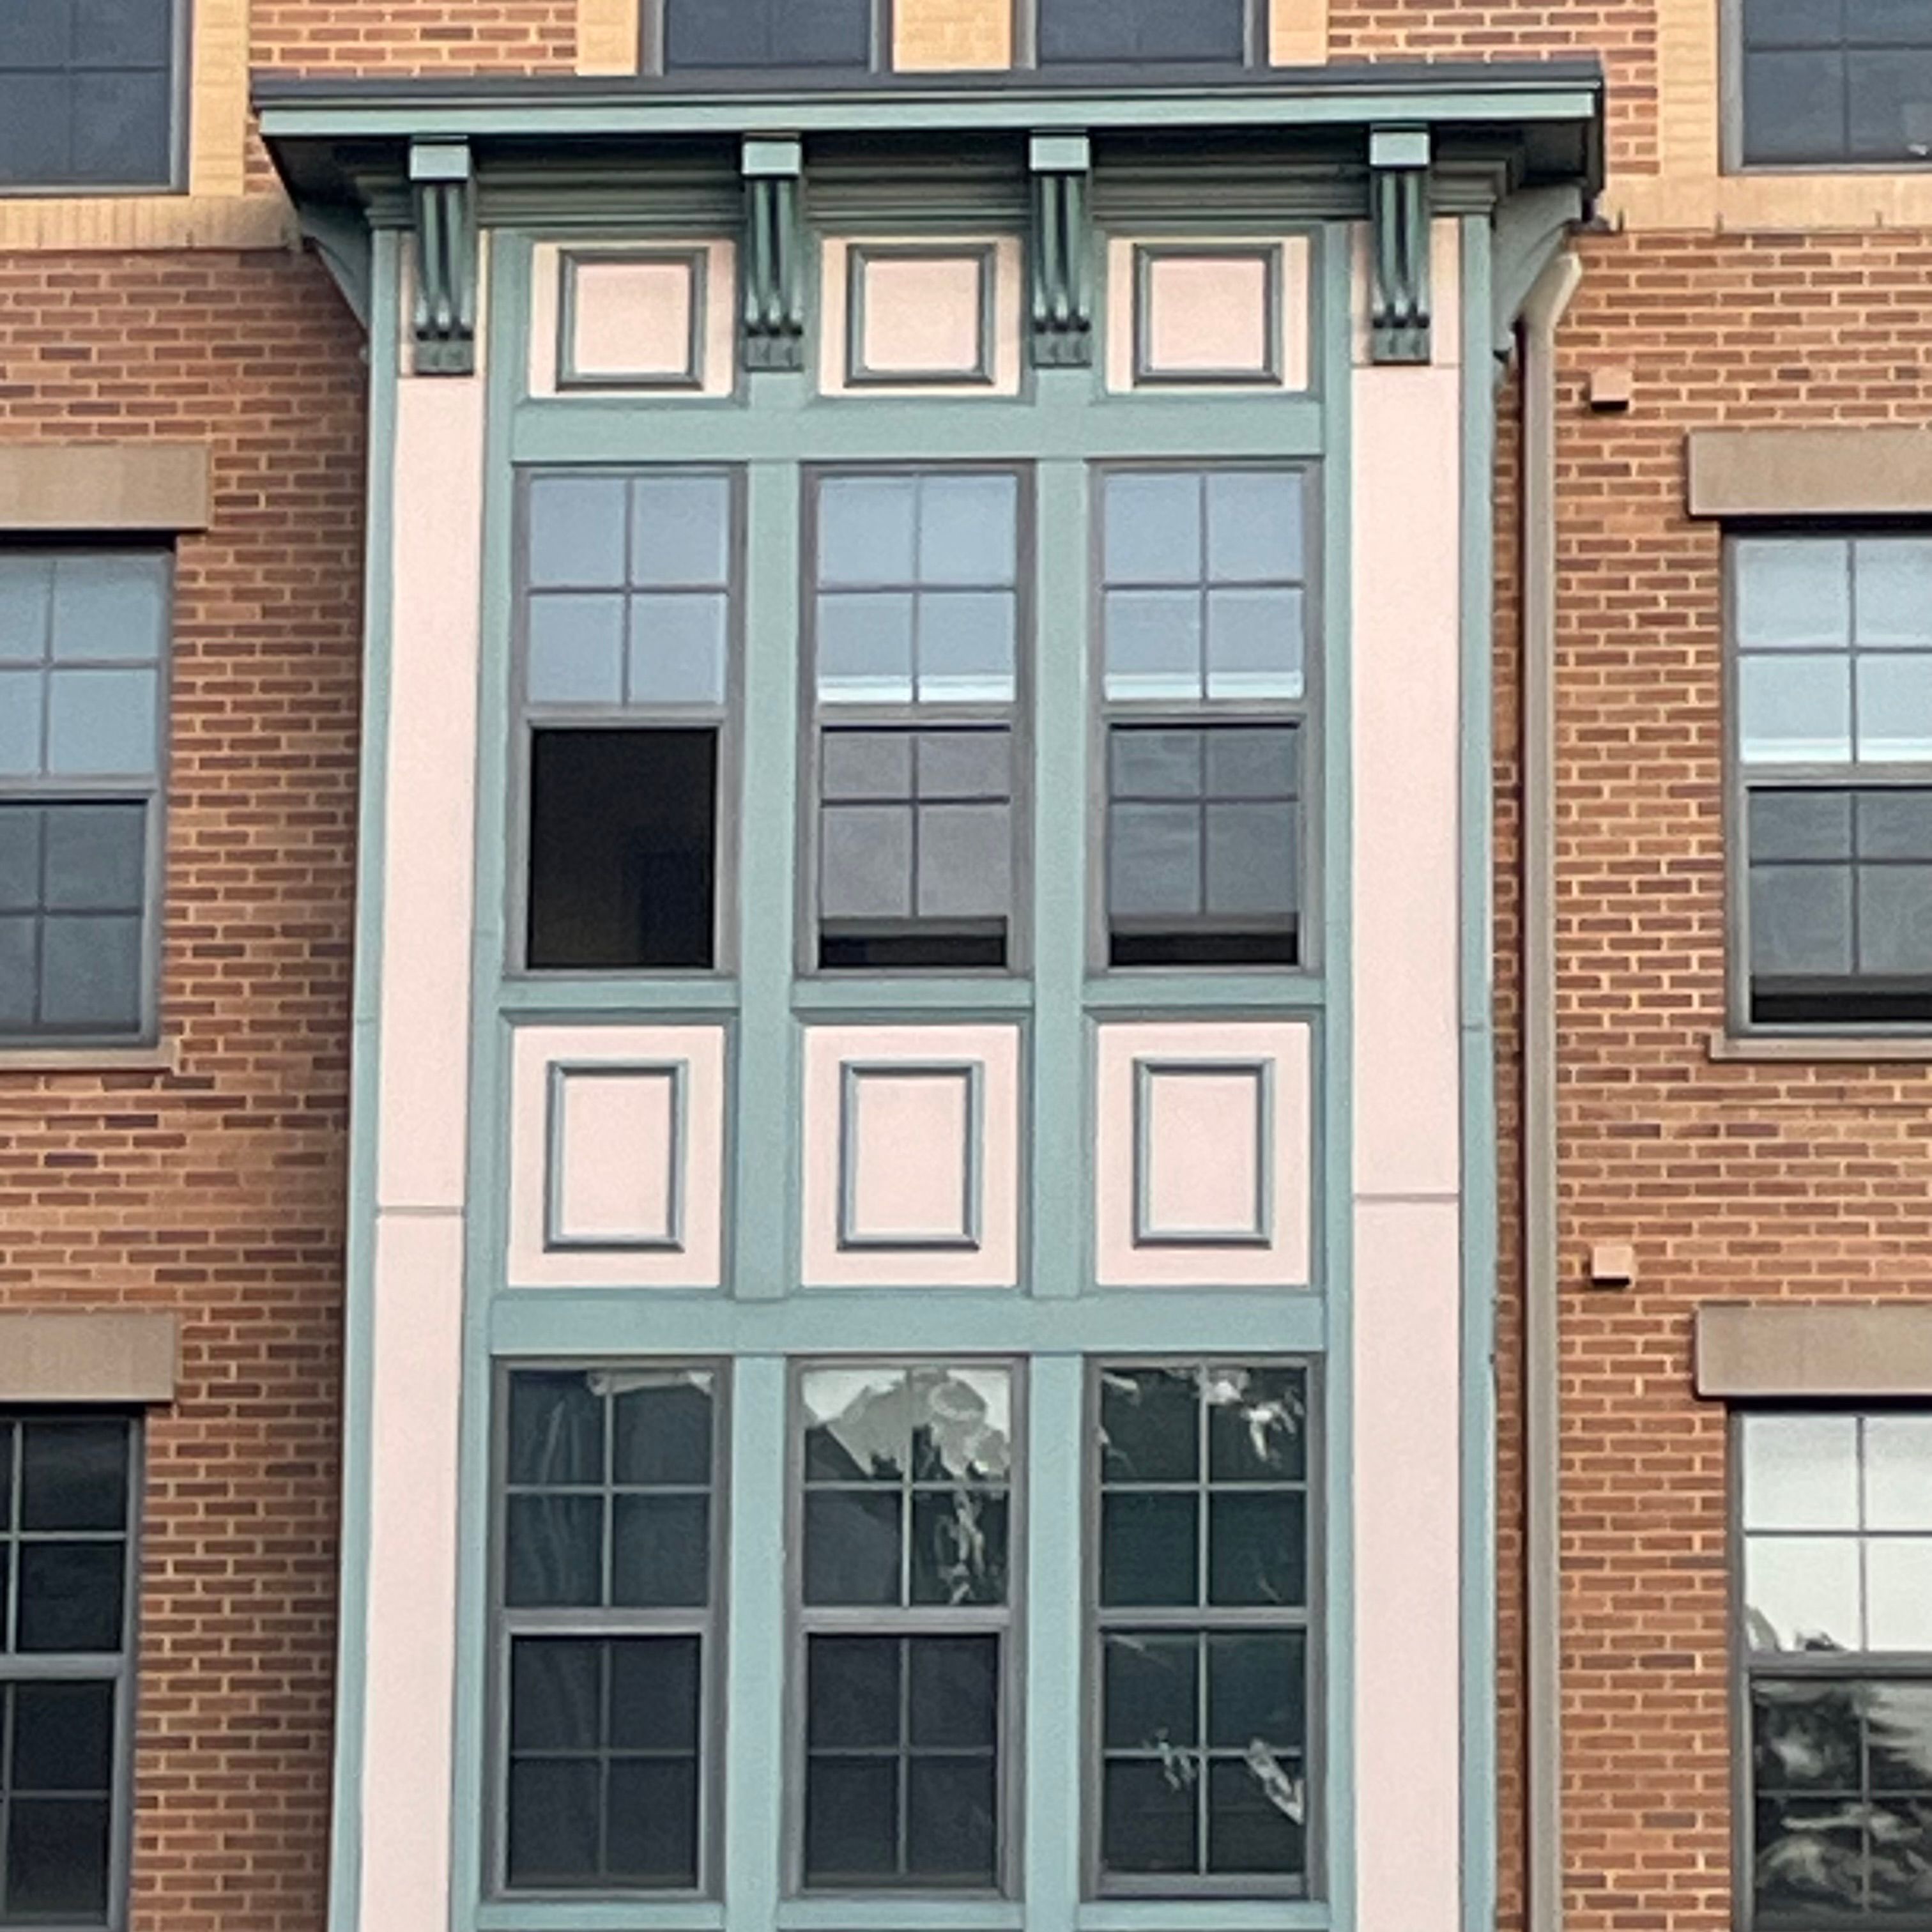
pixel 1094 31
pixel 1848 84
pixel 766 34
pixel 88 90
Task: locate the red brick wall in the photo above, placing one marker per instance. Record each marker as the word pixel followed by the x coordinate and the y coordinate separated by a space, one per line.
pixel 413 36
pixel 216 1189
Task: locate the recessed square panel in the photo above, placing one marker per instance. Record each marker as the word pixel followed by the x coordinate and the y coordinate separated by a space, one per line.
pixel 1208 315
pixel 633 321
pixel 617 1155
pixel 1203 1152
pixel 910 1156
pixel 920 315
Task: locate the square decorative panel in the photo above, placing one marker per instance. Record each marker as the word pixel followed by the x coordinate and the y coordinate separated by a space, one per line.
pixel 610 317
pixel 1212 313
pixel 935 316
pixel 617 1156
pixel 911 1155
pixel 1203 1141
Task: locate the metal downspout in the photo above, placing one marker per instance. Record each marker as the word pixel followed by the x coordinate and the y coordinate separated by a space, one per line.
pixel 1542 1500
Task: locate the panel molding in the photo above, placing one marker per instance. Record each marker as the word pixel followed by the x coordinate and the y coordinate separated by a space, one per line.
pixel 1259 1233
pixel 572 263
pixel 861 257
pixel 1148 257
pixel 560 1073
pixel 854 1074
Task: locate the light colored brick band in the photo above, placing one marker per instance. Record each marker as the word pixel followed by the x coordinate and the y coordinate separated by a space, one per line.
pixel 1298 33
pixel 1805 1351
pixel 607 36
pixel 103 486
pixel 108 1355
pixel 1778 472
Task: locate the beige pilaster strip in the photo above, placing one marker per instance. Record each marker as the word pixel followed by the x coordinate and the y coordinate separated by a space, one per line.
pixel 103 486
pixel 104 1355
pixel 934 36
pixel 1298 33
pixel 1775 473
pixel 607 34
pixel 1795 1351
pixel 1689 106
pixel 94 224
pixel 217 133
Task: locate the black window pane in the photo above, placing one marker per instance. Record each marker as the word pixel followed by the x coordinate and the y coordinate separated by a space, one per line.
pixel 20 832
pixel 7 1436
pixel 1152 762
pixel 623 858
pixel 19 978
pixel 71 1596
pixel 952 1835
pixel 652 1832
pixel 1257 1698
pixel 655 1694
pixel 1793 23
pixel 959 1546
pixel 1801 825
pixel 1808 1855
pixel 554 1820
pixel 1096 31
pixel 554 1550
pixel 73 1475
pixel 1257 1548
pixel 1795 107
pixel 96 857
pixel 556 1430
pixel 556 1694
pixel 851 1818
pixel 664 1434
pixel 1889 103
pixel 1255 1820
pixel 1148 1549
pixel 123 33
pixel 121 127
pixel 953 1694
pixel 1257 1425
pixel 63 1738
pixel 852 1547
pixel 661 1550
pixel 36 129
pixel 1898 1736
pixel 91 973
pixel 1150 1692
pixel 1150 1426
pixel 1149 1815
pixel 57 1858
pixel 40 33
pixel 767 33
pixel 852 1692
pixel 1891 824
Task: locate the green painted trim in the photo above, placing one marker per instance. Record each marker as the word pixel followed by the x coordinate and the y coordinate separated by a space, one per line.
pixel 599 1915
pixel 1160 994
pixel 857 995
pixel 1479 1127
pixel 345 1858
pixel 535 996
pixel 1203 1915
pixel 910 1914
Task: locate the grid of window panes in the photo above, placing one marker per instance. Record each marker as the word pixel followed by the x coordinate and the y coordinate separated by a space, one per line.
pixel 1833 644
pixel 629 592
pixel 905 1607
pixel 1203 613
pixel 916 618
pixel 87 93
pixel 1836 1606
pixel 608 1553
pixel 82 651
pixel 1836 83
pixel 1202 1605
pixel 725 33
pixel 65 1506
pixel 1095 32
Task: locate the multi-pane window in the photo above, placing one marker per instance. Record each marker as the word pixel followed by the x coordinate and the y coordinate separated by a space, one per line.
pixel 1201 1605
pixel 1203 615
pixel 724 34
pixel 1836 1615
pixel 916 622
pixel 906 1563
pixel 89 91
pixel 608 1592
pixel 1825 83
pixel 1833 733
pixel 66 1665
pixel 1092 32
pixel 629 616
pixel 83 699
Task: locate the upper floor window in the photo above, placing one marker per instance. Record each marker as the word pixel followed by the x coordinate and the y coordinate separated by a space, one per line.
pixel 697 34
pixel 1832 639
pixel 89 93
pixel 1836 81
pixel 1148 32
pixel 82 705
pixel 1835 1607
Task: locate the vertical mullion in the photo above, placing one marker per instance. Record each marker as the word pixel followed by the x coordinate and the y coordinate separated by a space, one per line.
pixel 605 1675
pixel 6 1790
pixel 608 1502
pixel 15 1490
pixel 902 1845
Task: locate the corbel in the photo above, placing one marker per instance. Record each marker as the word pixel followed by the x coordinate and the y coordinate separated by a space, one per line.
pixel 1399 244
pixel 1530 226
pixel 773 322
pixel 443 193
pixel 1061 284
pixel 339 237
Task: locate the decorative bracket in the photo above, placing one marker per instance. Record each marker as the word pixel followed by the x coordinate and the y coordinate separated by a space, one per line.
pixel 1060 281
pixel 772 329
pixel 1399 244
pixel 339 237
pixel 1530 227
pixel 443 189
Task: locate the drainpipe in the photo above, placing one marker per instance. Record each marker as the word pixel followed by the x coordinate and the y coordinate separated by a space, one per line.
pixel 1542 1501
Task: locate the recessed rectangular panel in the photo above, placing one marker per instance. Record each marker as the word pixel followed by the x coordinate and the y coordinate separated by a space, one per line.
pixel 910 1156
pixel 633 321
pixel 920 315
pixel 1204 1132
pixel 1207 315
pixel 617 1156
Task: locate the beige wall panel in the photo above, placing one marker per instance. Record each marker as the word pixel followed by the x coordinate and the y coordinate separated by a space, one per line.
pixel 1809 472
pixel 1298 33
pixel 103 486
pixel 1805 1352
pixel 111 1355
pixel 937 34
pixel 607 36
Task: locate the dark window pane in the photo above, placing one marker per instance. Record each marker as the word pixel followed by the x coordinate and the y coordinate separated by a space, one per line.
pixel 96 857
pixel 1889 111
pixel 1148 1815
pixel 63 1738
pixel 20 858
pixel 1801 919
pixel 1261 761
pixel 556 1694
pixel 121 127
pixel 1256 1691
pixel 557 1429
pixel 851 1818
pixel 623 848
pixel 865 861
pixel 19 978
pixel 851 1547
pixel 123 33
pixel 1891 824
pixel 1795 109
pixel 655 1694
pixel 1252 870
pixel 1257 1548
pixel 965 764
pixel 553 1806
pixel 661 1550
pixel 73 1475
pixel 554 1550
pixel 1255 1816
pixel 1150 1425
pixel 40 33
pixel 767 33
pixel 866 765
pixel 1148 1549
pixel 91 973
pixel 1096 31
pixel 952 1835
pixel 1150 762
pixel 1793 23
pixel 57 1858
pixel 1808 1855
pixel 664 1434
pixel 959 1547
pixel 71 1596
pixel 1898 1732
pixel 1151 1691
pixel 953 1698
pixel 1895 919
pixel 860 1427
pixel 36 129
pixel 1154 862
pixel 965 862
pixel 652 1831
pixel 1257 1425
pixel 852 1692
pixel 1801 825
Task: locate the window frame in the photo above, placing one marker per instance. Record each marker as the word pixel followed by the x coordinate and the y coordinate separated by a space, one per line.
pixel 653 17
pixel 1741 779
pixel 1177 1889
pixel 1006 1621
pixel 180 109
pixel 61 1667
pixel 1306 714
pixel 726 719
pixel 150 792
pixel 1015 715
pixel 710 1621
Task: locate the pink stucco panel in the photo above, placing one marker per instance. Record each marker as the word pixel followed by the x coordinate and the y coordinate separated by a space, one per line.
pixel 905 331
pixel 620 1166
pixel 922 315
pixel 627 321
pixel 893 1195
pixel 1207 314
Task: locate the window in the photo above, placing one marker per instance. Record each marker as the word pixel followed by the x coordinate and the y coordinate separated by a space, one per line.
pixel 1203 613
pixel 720 34
pixel 82 695
pixel 87 93
pixel 1825 84
pixel 629 616
pixel 1091 32
pixel 67 1553
pixel 608 1651
pixel 906 1553
pixel 916 625
pixel 1836 1606
pixel 1833 645
pixel 1202 1611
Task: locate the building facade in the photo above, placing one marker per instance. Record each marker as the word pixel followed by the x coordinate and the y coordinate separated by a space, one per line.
pixel 1015 906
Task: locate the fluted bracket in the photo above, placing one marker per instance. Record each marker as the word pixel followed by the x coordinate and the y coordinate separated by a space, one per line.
pixel 771 331
pixel 443 191
pixel 1399 244
pixel 1060 277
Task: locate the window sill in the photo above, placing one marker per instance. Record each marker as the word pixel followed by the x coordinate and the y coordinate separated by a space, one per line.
pixel 1853 1048
pixel 1202 1915
pixel 593 1914
pixel 911 1913
pixel 164 1056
